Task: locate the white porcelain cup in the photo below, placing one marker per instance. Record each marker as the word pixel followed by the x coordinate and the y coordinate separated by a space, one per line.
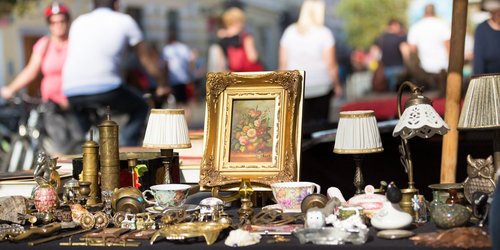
pixel 289 195
pixel 168 195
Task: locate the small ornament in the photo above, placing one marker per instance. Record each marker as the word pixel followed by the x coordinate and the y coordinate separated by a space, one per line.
pixel 46 199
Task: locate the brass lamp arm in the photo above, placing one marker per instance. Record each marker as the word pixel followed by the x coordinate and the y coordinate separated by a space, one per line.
pixel 416 96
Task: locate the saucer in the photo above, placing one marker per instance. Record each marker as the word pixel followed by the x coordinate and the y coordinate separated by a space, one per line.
pixel 187 207
pixel 285 210
pixel 393 234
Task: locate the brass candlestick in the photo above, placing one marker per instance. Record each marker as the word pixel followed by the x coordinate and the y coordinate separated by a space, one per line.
pixel 245 191
pixel 167 159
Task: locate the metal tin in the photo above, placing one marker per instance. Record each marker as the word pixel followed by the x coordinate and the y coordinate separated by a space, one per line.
pixel 109 155
pixel 90 172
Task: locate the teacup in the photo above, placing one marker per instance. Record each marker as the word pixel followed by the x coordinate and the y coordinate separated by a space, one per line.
pixel 167 195
pixel 289 195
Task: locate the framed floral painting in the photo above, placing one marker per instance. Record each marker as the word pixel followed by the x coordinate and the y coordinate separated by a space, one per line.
pixel 252 127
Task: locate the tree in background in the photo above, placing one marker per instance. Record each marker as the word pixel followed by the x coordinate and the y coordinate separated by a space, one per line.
pixel 365 20
pixel 19 6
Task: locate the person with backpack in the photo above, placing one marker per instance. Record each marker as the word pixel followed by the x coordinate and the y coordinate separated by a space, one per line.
pixel 237 44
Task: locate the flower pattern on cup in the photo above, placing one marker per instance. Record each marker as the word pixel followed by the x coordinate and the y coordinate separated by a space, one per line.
pixel 290 195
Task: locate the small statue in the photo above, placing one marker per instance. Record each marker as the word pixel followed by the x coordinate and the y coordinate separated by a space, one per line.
pixel 391 216
pixel 480 176
pixel 46 170
pixel 317 217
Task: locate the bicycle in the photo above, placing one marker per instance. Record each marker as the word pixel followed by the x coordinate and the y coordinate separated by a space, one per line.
pixel 30 138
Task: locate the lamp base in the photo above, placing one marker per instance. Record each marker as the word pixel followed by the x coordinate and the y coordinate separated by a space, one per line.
pixel 406 203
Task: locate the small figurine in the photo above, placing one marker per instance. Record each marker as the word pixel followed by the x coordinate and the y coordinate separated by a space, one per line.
pixel 47 170
pixel 210 209
pixel 129 222
pixel 316 217
pixel 391 216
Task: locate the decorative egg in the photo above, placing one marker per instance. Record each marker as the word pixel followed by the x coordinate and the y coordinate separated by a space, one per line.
pixel 393 193
pixel 45 198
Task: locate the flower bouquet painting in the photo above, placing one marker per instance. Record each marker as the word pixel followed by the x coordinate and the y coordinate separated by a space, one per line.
pixel 252 130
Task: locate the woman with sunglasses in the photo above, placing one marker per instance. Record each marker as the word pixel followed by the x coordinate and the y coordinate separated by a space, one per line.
pixel 48 57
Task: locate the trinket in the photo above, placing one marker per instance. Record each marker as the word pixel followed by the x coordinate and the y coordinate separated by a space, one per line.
pixel 242 238
pixel 209 230
pixel 129 222
pixel 210 209
pixel 46 199
pixel 101 220
pixel 87 221
pixel 71 193
pixel 144 222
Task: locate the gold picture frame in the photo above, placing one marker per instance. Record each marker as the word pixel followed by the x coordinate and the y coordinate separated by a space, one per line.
pixel 252 127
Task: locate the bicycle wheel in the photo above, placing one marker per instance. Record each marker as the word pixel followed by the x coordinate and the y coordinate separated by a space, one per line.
pixel 20 156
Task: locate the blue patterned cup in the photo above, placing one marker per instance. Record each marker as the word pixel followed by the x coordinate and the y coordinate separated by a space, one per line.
pixel 167 195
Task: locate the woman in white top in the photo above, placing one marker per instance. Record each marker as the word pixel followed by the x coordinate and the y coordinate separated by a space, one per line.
pixel 309 45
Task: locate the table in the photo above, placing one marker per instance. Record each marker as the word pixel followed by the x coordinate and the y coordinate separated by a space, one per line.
pixel 373 243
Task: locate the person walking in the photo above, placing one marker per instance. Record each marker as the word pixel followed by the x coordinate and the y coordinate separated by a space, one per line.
pixel 237 44
pixel 309 45
pixel 48 58
pixel 179 60
pixel 429 38
pixel 92 73
pixel 487 41
pixel 388 48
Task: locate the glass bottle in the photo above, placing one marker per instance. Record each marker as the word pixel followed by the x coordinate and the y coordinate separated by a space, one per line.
pixel 435 200
pixel 453 197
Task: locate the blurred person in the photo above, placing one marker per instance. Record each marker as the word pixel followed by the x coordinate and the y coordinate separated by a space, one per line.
pixel 179 60
pixel 388 48
pixel 198 73
pixel 48 57
pixel 487 41
pixel 237 44
pixel 309 45
pixel 92 74
pixel 429 38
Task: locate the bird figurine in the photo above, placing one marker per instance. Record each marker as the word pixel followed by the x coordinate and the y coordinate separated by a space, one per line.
pixel 391 216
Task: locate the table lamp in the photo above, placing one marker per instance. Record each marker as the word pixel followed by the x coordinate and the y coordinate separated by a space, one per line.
pixel 481 109
pixel 167 130
pixel 418 119
pixel 358 134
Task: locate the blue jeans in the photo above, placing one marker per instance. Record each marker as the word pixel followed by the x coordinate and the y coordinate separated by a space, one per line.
pixel 122 100
pixel 392 74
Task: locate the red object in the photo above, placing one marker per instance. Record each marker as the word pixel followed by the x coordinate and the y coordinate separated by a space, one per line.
pixel 238 60
pixel 387 108
pixel 55 8
pixel 45 198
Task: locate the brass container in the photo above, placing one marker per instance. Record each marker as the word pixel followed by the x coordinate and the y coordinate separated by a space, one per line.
pixel 129 200
pixel 109 155
pixel 90 172
pixel 406 203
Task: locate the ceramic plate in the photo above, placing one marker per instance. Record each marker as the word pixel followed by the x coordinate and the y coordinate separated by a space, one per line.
pixel 285 210
pixel 187 207
pixel 393 234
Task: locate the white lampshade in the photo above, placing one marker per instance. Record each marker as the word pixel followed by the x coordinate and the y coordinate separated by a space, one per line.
pixel 167 129
pixel 357 133
pixel 420 120
pixel 481 109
